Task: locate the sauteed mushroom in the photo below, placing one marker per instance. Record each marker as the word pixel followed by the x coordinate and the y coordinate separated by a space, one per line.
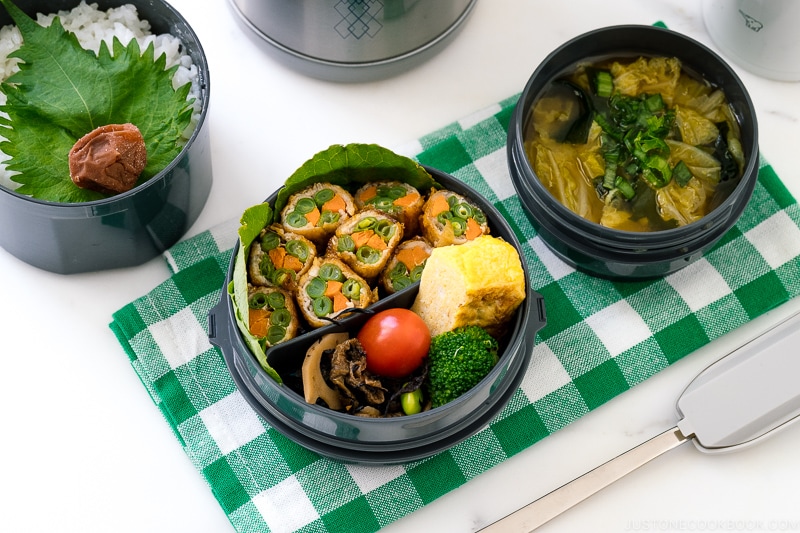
pixel 349 374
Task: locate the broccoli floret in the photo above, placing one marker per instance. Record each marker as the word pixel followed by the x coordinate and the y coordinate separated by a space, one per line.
pixel 458 360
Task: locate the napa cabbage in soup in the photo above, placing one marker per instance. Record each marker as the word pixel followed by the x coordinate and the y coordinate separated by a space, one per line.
pixel 635 144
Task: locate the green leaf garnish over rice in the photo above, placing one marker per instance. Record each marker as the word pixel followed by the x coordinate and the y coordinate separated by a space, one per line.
pixel 63 91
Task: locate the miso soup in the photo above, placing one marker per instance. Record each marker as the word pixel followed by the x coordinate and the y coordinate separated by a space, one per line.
pixel 635 144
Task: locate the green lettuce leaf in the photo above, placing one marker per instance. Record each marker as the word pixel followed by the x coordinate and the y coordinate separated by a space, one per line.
pixel 253 220
pixel 63 92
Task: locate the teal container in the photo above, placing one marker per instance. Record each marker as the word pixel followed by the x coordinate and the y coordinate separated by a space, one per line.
pixel 127 229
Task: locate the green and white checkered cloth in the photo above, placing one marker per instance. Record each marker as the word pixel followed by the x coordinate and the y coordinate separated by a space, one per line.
pixel 602 338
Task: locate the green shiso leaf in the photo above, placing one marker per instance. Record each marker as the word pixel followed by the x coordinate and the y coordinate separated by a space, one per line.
pixel 63 92
pixel 355 164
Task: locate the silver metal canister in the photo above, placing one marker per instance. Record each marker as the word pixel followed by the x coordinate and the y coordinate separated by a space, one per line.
pixel 353 40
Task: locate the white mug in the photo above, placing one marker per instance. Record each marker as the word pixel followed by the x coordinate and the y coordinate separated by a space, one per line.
pixel 759 35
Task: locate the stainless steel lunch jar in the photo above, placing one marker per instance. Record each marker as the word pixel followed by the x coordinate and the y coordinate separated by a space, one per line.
pixel 353 40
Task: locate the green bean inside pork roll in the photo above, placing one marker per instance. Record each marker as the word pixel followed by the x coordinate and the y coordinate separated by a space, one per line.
pixel 366 241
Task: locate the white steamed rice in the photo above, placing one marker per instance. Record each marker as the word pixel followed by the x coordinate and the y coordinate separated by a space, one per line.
pixel 92 26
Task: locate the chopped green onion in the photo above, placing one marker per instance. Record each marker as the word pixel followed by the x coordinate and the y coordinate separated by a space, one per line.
pixel 659 167
pixel 603 83
pixel 633 144
pixel 625 188
pixel 652 144
pixel 639 154
pixel 612 160
pixel 608 127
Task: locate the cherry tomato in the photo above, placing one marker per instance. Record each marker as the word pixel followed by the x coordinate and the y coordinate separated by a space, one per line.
pixel 396 342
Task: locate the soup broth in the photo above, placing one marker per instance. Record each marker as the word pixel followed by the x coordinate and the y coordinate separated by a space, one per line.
pixel 635 143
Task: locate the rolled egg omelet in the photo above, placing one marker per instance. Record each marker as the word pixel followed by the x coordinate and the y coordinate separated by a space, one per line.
pixel 479 283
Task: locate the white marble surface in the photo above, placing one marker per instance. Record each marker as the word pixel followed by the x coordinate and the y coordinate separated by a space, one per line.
pixel 85 449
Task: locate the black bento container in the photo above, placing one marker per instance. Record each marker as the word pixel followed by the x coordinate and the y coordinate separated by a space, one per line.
pixel 349 438
pixel 130 228
pixel 612 253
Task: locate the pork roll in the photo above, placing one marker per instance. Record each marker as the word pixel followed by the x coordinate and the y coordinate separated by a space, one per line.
pixel 272 315
pixel 395 198
pixel 316 211
pixel 450 218
pixel 405 265
pixel 328 289
pixel 278 258
pixel 366 241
